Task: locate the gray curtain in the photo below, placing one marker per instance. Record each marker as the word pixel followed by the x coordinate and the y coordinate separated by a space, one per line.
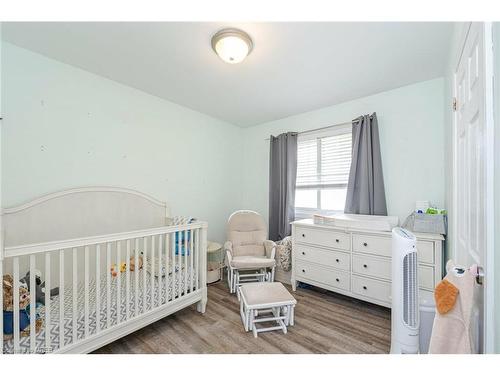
pixel 365 190
pixel 282 177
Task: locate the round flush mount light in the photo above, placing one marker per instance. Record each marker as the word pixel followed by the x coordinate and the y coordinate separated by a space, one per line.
pixel 232 45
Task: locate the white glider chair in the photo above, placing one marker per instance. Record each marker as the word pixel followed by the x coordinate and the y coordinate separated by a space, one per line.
pixel 248 249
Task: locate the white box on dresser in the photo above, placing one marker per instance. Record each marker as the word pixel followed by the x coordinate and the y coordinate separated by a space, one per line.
pixel 357 263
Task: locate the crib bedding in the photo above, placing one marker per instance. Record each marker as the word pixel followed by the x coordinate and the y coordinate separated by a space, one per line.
pixel 176 282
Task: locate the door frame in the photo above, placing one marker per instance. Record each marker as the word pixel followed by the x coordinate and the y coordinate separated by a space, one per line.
pixel 489 261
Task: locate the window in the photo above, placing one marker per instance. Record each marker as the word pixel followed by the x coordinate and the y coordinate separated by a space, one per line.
pixel 323 164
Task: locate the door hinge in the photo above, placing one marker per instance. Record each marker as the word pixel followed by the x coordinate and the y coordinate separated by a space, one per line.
pixel 454 105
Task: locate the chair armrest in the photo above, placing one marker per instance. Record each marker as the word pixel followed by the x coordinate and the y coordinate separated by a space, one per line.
pixel 228 247
pixel 270 247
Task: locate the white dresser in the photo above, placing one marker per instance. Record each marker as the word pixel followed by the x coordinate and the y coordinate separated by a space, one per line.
pixel 358 263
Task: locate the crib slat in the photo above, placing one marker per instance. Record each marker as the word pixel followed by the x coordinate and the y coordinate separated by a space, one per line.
pixel 160 279
pixel 167 261
pixel 144 274
pixel 16 304
pixel 185 260
pixel 179 260
pixel 98 288
pixel 171 276
pixel 153 272
pixel 191 255
pixel 174 262
pixel 136 282
pixel 75 296
pixel 127 282
pixel 118 282
pixel 108 285
pixel 86 279
pixel 203 259
pixel 47 303
pixel 197 259
pixel 32 305
pixel 61 298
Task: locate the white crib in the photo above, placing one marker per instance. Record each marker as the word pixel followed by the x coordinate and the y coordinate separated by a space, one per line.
pixel 74 237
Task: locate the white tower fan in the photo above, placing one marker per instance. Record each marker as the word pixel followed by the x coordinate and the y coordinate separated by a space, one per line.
pixel 405 303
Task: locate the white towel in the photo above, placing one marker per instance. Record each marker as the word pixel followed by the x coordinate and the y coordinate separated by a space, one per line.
pixel 451 332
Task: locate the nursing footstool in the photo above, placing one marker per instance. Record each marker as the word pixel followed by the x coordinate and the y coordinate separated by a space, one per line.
pixel 266 302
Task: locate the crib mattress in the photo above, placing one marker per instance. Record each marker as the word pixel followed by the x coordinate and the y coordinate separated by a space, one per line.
pixel 116 310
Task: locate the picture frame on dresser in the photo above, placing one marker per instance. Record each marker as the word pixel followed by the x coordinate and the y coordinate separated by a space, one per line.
pixel 357 263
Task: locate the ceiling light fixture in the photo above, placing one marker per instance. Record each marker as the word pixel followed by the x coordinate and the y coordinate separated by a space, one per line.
pixel 232 45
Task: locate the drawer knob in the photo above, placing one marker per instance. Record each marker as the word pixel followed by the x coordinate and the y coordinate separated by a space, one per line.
pixel 303 235
pixel 337 279
pixel 304 271
pixel 337 260
pixel 303 253
pixel 365 244
pixel 365 266
pixel 337 240
pixel 364 287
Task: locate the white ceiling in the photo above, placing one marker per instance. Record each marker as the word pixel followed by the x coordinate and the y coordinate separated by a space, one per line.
pixel 294 67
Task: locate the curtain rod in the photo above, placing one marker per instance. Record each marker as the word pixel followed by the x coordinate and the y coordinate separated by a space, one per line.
pixel 326 127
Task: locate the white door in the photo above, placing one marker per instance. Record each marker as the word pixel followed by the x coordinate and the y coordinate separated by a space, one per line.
pixel 471 167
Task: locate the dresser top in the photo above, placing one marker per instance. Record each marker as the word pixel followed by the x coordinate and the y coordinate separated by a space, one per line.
pixel 310 223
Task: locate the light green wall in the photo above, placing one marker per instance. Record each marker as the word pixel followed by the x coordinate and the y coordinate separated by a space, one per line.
pixel 411 137
pixel 65 127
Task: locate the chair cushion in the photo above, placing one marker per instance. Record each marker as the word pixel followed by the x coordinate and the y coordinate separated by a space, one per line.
pixel 246 221
pixel 266 294
pixel 247 231
pixel 251 262
pixel 249 250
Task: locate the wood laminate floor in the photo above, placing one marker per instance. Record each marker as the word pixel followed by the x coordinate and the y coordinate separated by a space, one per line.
pixel 325 322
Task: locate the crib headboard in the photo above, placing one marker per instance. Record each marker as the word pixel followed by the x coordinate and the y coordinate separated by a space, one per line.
pixel 81 212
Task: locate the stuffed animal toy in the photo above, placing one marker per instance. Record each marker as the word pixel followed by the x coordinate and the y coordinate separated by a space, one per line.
pixel 8 309
pixel 115 270
pixel 39 287
pixel 140 262
pixel 123 266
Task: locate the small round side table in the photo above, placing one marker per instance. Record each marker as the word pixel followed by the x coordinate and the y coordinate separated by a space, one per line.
pixel 215 262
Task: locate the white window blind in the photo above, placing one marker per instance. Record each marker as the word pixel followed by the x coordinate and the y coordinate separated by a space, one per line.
pixel 307 163
pixel 334 156
pixel 323 164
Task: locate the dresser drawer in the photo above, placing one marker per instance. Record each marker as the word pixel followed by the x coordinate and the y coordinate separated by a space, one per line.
pixel 332 277
pixel 324 257
pixel 320 237
pixel 376 289
pixel 370 266
pixel 425 250
pixel 372 244
pixel 426 277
